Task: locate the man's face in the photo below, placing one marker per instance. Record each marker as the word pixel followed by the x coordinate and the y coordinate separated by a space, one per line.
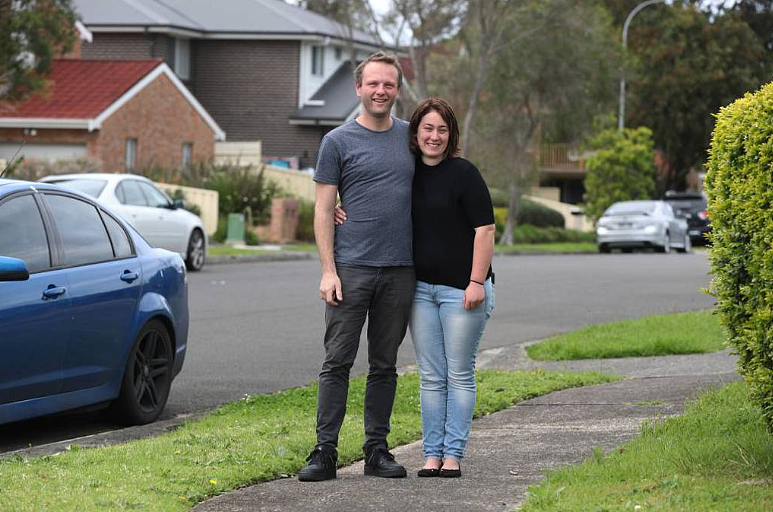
pixel 379 88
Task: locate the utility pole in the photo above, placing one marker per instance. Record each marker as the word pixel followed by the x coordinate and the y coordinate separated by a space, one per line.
pixel 634 12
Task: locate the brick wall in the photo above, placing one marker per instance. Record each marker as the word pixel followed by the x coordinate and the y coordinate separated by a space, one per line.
pixel 250 88
pixel 126 46
pixel 45 136
pixel 160 119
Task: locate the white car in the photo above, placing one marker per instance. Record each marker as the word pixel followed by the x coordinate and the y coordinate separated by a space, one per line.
pixel 161 221
pixel 629 224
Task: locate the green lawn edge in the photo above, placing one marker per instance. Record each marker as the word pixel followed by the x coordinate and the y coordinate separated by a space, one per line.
pixel 718 456
pixel 259 438
pixel 696 332
pixel 557 248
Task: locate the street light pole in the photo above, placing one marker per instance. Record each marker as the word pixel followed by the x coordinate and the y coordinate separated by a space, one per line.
pixel 634 12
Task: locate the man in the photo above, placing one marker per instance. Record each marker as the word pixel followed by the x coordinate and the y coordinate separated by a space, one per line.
pixel 367 264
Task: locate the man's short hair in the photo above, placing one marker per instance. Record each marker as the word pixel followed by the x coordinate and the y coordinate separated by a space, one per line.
pixel 379 56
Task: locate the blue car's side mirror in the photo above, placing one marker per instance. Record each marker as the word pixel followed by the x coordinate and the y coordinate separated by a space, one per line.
pixel 13 269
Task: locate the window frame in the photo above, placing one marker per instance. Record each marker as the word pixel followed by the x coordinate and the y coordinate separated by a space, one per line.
pixel 59 263
pixel 130 153
pixel 51 240
pixel 182 58
pixel 142 184
pixel 318 60
pixel 120 186
pixel 187 154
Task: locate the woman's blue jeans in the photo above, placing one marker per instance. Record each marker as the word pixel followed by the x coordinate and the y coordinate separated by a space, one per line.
pixel 445 337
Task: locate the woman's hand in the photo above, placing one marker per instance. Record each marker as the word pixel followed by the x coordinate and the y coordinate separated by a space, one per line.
pixel 474 295
pixel 339 215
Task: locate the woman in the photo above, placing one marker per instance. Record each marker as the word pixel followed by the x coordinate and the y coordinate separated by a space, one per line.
pixel 453 243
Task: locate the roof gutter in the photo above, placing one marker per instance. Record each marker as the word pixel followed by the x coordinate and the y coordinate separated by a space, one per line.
pixel 47 123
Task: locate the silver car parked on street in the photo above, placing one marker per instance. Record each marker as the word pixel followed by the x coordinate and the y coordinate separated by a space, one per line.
pixel 642 224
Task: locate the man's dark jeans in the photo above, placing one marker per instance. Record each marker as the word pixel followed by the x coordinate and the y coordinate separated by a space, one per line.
pixel 384 295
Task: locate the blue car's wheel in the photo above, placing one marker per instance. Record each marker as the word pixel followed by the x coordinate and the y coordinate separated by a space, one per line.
pixel 147 377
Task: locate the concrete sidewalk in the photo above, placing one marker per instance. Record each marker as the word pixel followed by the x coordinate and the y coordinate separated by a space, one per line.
pixel 509 450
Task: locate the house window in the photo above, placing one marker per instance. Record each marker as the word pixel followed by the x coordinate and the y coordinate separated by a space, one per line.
pixel 130 154
pixel 182 58
pixel 339 53
pixel 317 60
pixel 187 153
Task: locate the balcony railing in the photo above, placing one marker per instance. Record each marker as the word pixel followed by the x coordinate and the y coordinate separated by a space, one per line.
pixel 560 155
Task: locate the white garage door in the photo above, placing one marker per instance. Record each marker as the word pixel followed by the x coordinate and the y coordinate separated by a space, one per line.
pixel 50 152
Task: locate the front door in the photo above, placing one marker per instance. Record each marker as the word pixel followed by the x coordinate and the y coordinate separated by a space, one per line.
pixel 34 314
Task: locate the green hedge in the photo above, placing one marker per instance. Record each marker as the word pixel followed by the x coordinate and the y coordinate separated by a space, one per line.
pixel 305 230
pixel 528 234
pixel 530 212
pixel 739 183
pixel 539 215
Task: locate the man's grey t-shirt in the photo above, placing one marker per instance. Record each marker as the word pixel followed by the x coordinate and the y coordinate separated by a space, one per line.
pixel 374 174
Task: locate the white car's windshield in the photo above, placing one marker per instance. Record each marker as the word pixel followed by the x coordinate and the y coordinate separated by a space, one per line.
pixel 631 208
pixel 89 187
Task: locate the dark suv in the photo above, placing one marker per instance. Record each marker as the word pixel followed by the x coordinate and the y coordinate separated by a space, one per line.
pixel 691 206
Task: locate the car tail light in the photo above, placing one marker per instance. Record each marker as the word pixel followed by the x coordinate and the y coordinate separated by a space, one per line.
pixel 704 215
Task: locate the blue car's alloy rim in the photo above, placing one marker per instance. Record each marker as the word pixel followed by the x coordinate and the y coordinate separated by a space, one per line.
pixel 151 371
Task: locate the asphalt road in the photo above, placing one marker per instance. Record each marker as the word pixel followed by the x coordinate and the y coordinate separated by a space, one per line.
pixel 257 328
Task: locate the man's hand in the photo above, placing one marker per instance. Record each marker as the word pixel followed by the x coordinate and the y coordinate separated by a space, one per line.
pixel 474 295
pixel 330 289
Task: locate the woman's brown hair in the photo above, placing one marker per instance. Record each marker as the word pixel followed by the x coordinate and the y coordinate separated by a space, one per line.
pixel 445 111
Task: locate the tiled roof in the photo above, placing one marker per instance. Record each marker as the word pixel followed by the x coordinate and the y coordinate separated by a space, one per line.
pixel 256 17
pixel 81 89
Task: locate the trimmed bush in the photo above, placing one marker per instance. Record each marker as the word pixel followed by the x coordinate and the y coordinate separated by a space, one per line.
pixel 532 213
pixel 528 234
pixel 539 215
pixel 739 183
pixel 622 168
pixel 305 230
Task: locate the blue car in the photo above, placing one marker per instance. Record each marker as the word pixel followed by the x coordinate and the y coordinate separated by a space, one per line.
pixel 89 312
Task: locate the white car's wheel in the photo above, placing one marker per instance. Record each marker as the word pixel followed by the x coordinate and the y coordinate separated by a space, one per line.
pixel 666 246
pixel 687 245
pixel 194 258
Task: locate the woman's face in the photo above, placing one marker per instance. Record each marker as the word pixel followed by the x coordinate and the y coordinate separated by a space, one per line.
pixel 432 137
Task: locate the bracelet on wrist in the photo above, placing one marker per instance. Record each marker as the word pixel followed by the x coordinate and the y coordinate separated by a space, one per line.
pixel 476 282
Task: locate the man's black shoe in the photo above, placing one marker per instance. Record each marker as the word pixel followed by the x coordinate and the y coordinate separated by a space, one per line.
pixel 321 466
pixel 380 462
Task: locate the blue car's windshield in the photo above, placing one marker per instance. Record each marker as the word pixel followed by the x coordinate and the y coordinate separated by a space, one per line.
pixel 89 187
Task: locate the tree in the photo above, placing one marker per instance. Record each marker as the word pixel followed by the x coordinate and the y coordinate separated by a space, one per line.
pixel 32 34
pixel 559 68
pixel 621 169
pixel 688 64
pixel 429 21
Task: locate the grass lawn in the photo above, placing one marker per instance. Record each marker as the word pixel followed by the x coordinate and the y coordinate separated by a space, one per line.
pixel 717 457
pixel 227 250
pixel 255 439
pixel 560 247
pixel 683 333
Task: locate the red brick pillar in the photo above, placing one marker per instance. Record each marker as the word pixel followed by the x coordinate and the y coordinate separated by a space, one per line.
pixel 284 220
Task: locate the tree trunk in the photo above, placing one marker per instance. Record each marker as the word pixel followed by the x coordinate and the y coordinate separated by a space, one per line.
pixel 512 213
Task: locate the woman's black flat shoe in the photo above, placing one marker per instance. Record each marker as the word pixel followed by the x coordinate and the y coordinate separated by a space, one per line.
pixel 450 473
pixel 429 472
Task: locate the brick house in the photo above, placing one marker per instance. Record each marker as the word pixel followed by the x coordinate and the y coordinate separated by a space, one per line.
pixel 264 69
pixel 126 114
